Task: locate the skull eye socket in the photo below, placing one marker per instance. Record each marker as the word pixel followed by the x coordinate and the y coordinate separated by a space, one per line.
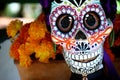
pixel 91 20
pixel 65 23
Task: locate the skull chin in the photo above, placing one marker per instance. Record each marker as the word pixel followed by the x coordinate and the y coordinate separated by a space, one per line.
pixel 84 62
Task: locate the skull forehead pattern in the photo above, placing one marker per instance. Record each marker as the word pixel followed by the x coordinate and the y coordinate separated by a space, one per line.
pixel 77 2
pixel 81 28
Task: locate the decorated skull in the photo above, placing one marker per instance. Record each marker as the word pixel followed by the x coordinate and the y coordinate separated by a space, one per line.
pixel 80 27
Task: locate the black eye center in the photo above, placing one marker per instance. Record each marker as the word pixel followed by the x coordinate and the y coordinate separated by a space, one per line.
pixel 64 23
pixel 91 20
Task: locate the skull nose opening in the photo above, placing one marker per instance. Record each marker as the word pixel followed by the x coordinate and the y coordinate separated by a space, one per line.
pixel 80 35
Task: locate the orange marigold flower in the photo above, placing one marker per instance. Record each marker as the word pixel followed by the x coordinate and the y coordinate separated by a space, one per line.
pixel 14 27
pixel 33 41
pixel 21 38
pixel 24 33
pixel 117 42
pixel 45 51
pixel 30 48
pixel 117 31
pixel 25 59
pixel 14 50
pixel 48 36
pixel 108 50
pixel 37 30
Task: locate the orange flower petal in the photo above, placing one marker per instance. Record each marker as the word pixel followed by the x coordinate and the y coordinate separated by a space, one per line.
pixel 45 53
pixel 14 27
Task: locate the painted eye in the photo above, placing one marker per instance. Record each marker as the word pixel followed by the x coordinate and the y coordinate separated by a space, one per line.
pixel 65 23
pixel 91 20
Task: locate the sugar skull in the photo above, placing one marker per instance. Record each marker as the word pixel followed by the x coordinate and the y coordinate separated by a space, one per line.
pixel 80 27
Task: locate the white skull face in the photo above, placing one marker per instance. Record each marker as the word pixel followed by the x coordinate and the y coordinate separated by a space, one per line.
pixel 80 28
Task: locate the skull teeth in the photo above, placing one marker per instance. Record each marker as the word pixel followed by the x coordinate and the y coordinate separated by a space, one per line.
pixel 86 60
pixel 85 57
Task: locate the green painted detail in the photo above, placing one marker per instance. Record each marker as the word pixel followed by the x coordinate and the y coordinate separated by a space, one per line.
pixel 112 38
pixel 65 2
pixel 78 10
pixel 118 7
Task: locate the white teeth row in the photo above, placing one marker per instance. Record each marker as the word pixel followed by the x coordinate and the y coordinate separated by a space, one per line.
pixel 83 56
pixel 93 63
pixel 79 65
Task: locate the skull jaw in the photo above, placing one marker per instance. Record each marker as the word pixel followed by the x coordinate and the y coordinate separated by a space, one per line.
pixel 86 66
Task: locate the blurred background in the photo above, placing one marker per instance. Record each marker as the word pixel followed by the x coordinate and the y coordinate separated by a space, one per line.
pixel 26 10
pixel 15 9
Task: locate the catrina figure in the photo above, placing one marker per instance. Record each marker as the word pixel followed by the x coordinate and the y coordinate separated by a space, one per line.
pixel 81 27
